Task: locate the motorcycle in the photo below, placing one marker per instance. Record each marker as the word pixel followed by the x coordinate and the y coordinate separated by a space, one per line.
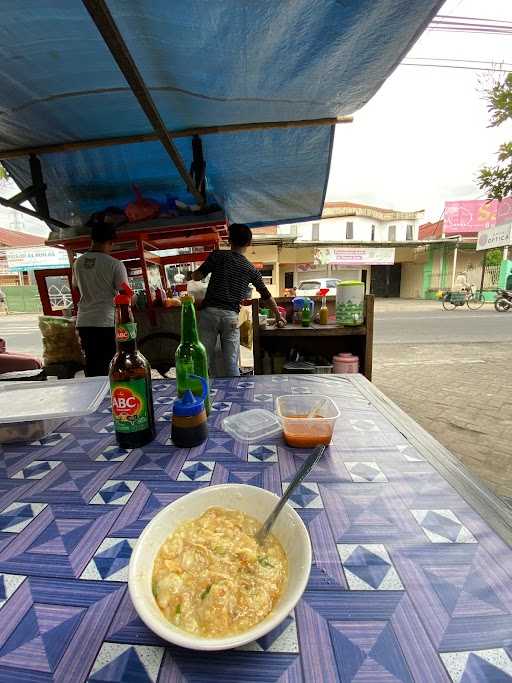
pixel 503 300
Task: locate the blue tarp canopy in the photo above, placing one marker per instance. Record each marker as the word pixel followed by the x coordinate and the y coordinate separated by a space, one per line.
pixel 206 63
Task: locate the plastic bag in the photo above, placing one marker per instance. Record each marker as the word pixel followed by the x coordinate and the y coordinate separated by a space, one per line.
pixel 60 340
pixel 141 209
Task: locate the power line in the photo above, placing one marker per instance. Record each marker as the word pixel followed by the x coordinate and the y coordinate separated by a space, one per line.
pixel 449 66
pixel 452 16
pixel 466 61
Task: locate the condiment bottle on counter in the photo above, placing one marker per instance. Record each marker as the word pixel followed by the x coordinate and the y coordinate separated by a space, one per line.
pixel 130 380
pixel 307 312
pixel 189 427
pixel 191 358
pixel 324 311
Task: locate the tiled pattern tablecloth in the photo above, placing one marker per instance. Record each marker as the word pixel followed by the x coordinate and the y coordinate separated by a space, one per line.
pixel 408 582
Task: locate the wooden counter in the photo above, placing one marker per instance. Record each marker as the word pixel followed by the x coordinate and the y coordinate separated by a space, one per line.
pixel 319 340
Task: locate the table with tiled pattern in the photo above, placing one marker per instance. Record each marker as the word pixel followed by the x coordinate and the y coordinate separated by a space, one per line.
pixel 411 578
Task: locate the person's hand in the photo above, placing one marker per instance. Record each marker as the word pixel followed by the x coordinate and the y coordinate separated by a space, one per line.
pixel 280 321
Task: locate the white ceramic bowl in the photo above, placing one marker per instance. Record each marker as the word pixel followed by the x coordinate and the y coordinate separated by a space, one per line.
pixel 254 501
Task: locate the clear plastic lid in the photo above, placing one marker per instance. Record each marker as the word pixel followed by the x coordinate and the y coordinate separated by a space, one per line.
pixel 28 401
pixel 252 425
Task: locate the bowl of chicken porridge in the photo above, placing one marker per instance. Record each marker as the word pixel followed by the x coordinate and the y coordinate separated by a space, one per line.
pixel 198 578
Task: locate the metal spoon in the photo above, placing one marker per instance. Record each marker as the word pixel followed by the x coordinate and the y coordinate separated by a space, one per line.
pixel 308 465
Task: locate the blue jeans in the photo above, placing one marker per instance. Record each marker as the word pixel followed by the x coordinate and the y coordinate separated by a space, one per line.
pixel 215 322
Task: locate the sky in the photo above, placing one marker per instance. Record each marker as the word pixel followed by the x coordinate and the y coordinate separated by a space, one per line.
pixel 423 137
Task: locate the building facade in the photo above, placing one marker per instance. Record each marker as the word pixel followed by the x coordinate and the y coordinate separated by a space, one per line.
pixel 350 241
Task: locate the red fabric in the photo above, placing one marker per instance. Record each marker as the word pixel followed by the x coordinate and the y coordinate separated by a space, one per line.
pixel 11 362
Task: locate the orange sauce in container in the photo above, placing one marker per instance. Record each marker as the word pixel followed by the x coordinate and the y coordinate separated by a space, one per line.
pixel 301 431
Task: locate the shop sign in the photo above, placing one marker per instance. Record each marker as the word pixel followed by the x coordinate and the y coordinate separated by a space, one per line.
pixel 504 211
pixel 500 236
pixel 355 256
pixel 19 260
pixel 469 216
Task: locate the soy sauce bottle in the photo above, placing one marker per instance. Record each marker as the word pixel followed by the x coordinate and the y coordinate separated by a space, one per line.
pixel 130 381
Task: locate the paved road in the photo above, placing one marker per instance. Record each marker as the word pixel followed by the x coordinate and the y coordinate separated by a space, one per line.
pixel 425 323
pixel 437 326
pixel 21 333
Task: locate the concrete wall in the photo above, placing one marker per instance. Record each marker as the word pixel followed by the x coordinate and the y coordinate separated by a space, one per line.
pixel 335 229
pixel 411 285
pixel 23 299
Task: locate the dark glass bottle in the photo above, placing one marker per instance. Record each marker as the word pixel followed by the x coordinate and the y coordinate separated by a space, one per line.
pixel 191 358
pixel 130 381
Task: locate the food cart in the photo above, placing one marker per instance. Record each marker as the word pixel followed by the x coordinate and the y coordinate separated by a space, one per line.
pixel 139 246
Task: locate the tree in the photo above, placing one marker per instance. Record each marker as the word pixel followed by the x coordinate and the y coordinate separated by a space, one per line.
pixel 496 181
pixel 493 257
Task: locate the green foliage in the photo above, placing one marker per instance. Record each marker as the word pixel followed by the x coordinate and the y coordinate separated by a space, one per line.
pixel 493 257
pixel 496 180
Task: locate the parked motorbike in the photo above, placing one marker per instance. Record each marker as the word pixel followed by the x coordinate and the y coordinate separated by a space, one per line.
pixel 503 300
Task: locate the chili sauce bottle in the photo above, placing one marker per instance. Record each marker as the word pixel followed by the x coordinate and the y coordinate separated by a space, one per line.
pixel 191 357
pixel 130 381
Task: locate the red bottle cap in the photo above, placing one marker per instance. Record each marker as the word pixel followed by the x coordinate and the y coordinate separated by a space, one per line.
pixel 124 296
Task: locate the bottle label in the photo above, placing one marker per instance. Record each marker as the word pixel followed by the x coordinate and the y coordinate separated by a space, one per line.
pixel 126 332
pixel 130 405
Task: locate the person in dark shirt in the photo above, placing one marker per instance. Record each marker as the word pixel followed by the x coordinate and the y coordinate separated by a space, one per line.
pixel 231 275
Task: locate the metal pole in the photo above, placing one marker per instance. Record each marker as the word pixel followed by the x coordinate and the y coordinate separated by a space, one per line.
pixel 454 267
pixel 484 259
pixel 73 145
pixel 107 27
pixel 35 214
pixel 39 186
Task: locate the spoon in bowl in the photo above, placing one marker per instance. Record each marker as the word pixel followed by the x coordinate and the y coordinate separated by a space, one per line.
pixel 308 465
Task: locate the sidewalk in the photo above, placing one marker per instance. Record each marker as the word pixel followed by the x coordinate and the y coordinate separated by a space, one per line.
pixel 405 305
pixel 459 393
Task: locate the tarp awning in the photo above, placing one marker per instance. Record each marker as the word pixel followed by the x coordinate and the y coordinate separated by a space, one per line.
pixel 206 63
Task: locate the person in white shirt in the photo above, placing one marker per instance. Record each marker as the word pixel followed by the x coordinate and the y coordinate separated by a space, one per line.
pixel 98 276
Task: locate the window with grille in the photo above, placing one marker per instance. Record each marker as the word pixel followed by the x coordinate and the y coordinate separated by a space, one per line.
pixel 315 232
pixel 392 233
pixel 373 234
pixel 409 235
pixel 349 233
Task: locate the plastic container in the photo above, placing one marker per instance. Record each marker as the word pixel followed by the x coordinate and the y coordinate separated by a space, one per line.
pixel 299 367
pixel 302 431
pixel 31 410
pixel 345 363
pixel 252 425
pixel 350 302
pixel 323 369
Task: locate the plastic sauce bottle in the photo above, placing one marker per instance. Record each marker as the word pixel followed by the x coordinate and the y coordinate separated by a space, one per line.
pixel 130 381
pixel 324 312
pixel 191 358
pixel 189 427
pixel 307 313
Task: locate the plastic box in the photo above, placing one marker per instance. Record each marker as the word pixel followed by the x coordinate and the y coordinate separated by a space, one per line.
pixel 252 425
pixel 307 432
pixel 323 369
pixel 31 410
